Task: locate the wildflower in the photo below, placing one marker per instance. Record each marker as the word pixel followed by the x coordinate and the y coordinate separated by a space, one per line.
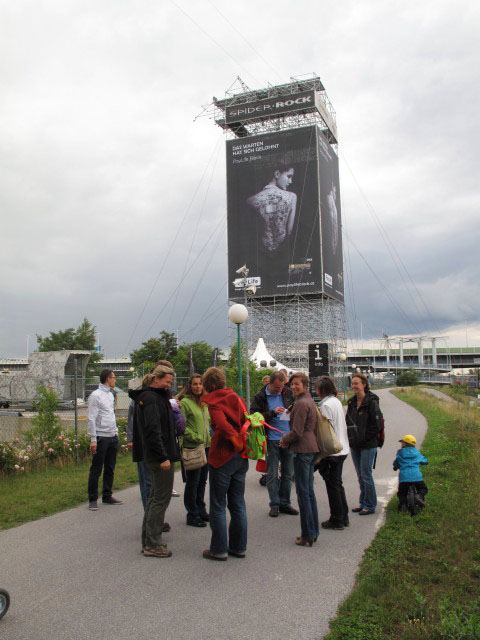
pixel 16 466
pixel 59 437
pixel 45 444
pixel 50 450
pixel 22 468
pixel 76 446
pixel 25 458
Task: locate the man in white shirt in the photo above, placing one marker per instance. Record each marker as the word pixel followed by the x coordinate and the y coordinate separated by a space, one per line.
pixel 103 432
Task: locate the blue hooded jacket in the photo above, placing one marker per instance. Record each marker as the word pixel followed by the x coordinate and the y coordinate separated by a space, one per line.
pixel 408 460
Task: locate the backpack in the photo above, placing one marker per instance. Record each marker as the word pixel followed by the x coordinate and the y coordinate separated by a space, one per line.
pixel 327 440
pixel 253 433
pixel 381 431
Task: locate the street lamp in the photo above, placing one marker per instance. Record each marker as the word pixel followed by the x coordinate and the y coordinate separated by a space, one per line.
pixel 343 359
pixel 238 314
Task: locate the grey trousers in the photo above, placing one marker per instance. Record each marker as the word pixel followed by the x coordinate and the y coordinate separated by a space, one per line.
pixel 154 516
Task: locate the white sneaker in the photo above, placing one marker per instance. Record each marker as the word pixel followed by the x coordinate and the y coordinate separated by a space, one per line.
pixel 175 494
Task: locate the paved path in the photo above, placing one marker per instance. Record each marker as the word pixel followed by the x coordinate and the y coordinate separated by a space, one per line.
pixel 437 394
pixel 79 575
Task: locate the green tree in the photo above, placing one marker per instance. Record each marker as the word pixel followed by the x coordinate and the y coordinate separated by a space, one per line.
pixel 407 378
pixel 46 423
pixel 154 349
pixel 82 338
pixel 202 355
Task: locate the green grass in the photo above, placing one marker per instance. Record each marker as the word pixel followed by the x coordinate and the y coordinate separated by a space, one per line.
pixel 41 493
pixel 420 578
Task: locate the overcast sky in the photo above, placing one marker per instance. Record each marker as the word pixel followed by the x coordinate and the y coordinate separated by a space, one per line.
pixel 110 191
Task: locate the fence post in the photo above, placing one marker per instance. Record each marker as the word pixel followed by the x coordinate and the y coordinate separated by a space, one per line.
pixel 76 411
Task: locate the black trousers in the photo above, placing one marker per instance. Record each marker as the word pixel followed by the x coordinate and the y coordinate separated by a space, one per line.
pixel 403 488
pixel 104 458
pixel 331 471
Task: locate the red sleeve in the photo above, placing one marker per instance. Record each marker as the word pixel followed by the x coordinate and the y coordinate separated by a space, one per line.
pixel 225 428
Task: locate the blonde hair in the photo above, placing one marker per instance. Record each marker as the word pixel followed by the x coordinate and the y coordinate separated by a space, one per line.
pixel 158 372
pixel 300 376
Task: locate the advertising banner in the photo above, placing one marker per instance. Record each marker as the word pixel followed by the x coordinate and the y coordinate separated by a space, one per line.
pixel 283 206
pixel 273 211
pixel 331 223
pixel 271 107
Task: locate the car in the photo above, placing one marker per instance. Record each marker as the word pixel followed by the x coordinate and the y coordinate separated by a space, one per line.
pixel 4 402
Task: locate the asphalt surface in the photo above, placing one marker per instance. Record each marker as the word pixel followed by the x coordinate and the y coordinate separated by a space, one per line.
pixel 80 575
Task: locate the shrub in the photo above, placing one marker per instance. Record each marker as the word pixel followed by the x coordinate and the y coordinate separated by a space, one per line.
pixel 407 378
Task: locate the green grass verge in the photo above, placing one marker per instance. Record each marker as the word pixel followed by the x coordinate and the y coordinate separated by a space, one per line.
pixel 420 578
pixel 41 493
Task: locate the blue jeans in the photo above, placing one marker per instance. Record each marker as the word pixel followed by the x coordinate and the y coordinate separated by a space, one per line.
pixel 363 462
pixel 279 489
pixel 194 496
pixel 144 482
pixel 303 464
pixel 227 488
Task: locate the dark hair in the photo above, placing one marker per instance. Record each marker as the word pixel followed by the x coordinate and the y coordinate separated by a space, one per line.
pixel 301 376
pixel 325 387
pixel 277 375
pixel 213 379
pixel 105 374
pixel 363 378
pixel 187 392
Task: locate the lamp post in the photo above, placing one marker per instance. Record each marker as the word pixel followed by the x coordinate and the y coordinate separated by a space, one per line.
pixel 343 360
pixel 238 314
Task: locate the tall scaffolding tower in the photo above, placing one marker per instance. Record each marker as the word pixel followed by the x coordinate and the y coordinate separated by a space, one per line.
pixel 289 322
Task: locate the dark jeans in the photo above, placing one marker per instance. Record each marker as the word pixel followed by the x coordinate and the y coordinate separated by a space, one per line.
pixel 227 488
pixel 403 488
pixel 154 516
pixel 303 464
pixel 363 463
pixel 331 471
pixel 279 488
pixel 104 458
pixel 194 496
pixel 144 482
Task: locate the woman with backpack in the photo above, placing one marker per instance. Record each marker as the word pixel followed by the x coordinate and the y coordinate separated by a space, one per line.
pixel 227 468
pixel 302 441
pixel 363 424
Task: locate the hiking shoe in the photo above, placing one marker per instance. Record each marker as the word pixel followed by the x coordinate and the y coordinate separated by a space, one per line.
pixel 208 556
pixel 175 494
pixel 159 552
pixel 273 513
pixel 235 554
pixel 357 509
pixel 92 505
pixel 365 512
pixel 166 527
pixel 288 509
pixel 111 500
pixel 328 524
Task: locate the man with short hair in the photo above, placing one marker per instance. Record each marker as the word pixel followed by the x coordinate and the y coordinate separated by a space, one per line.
pixel 272 401
pixel 103 432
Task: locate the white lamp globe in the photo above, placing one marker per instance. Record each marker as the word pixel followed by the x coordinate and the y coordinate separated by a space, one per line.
pixel 238 313
pixel 343 357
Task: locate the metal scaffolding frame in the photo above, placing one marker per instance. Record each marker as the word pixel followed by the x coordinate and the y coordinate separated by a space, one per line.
pixel 288 323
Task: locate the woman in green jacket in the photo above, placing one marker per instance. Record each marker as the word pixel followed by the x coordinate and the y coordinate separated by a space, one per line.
pixel 197 432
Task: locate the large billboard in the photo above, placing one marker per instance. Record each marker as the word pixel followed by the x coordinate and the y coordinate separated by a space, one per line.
pixel 279 187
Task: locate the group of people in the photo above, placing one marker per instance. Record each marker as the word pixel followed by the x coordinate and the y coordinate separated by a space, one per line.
pixel 207 415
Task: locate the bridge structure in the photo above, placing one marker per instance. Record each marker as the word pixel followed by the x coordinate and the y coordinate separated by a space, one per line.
pixel 431 359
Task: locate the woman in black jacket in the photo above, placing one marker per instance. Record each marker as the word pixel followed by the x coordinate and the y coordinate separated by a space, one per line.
pixel 155 443
pixel 363 423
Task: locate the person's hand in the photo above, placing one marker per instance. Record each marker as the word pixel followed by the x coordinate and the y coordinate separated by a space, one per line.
pixel 279 410
pixel 93 447
pixel 130 445
pixel 165 465
pixel 282 444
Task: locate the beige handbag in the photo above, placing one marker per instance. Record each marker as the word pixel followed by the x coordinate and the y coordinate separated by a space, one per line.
pixel 196 458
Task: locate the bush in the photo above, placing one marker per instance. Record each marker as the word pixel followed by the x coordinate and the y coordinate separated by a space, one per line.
pixel 407 378
pixel 46 422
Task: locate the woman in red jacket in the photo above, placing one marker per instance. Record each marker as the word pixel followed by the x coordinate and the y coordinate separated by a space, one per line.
pixel 227 468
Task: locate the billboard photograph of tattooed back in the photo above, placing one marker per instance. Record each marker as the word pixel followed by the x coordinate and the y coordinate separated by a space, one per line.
pixel 274 221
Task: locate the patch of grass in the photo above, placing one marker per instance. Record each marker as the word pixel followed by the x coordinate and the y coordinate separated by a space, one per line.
pixel 420 578
pixel 44 492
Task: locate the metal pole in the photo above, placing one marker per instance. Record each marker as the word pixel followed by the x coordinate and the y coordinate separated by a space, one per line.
pixel 75 408
pixel 239 355
pixel 247 371
pixel 344 382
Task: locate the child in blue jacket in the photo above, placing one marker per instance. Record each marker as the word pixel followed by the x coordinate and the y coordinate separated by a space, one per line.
pixel 408 460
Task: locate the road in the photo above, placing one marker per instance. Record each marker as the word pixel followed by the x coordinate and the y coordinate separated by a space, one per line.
pixel 79 575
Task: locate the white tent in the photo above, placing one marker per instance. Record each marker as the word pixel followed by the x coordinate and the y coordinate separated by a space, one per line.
pixel 263 359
